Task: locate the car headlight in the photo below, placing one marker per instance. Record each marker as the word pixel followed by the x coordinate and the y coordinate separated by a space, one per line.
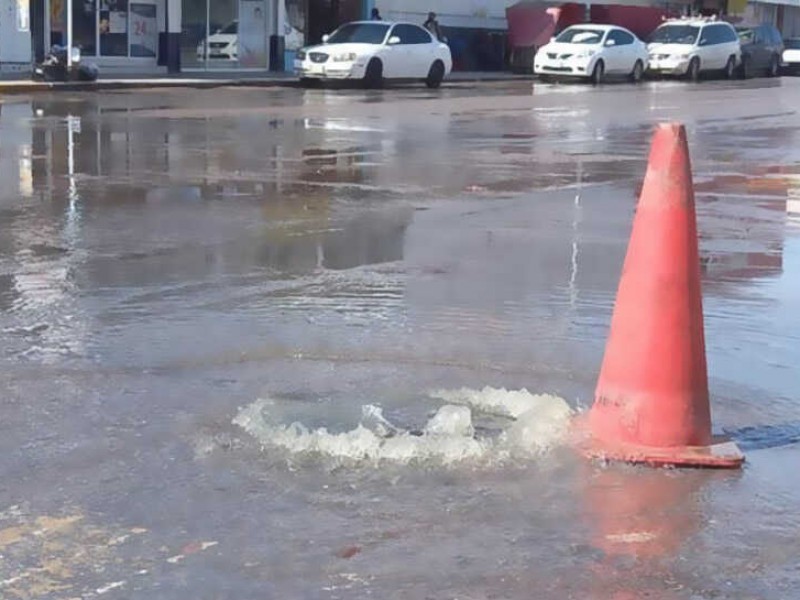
pixel 301 55
pixel 346 57
pixel 585 54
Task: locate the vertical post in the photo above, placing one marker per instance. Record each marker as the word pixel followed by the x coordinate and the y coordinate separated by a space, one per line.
pixel 73 123
pixel 366 8
pixel 172 47
pixel 280 17
pixel 207 44
pixel 277 41
pixel 69 34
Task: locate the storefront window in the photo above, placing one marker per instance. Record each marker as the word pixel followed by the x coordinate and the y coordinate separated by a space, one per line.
pixel 225 27
pixel 114 27
pixel 225 34
pixel 193 33
pixel 118 28
pixel 84 27
pixel 144 30
pixel 294 30
pixel 252 33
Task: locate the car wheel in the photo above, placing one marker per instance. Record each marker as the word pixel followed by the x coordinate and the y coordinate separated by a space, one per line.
pixel 598 74
pixel 730 67
pixel 745 69
pixel 373 77
pixel 435 75
pixel 693 72
pixel 774 67
pixel 638 72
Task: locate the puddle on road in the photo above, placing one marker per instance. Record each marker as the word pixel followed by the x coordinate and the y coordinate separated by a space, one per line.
pixel 204 241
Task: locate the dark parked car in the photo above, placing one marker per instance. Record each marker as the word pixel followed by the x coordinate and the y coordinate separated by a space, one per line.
pixel 762 49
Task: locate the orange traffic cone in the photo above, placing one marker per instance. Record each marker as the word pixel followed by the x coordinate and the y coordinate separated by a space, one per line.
pixel 651 402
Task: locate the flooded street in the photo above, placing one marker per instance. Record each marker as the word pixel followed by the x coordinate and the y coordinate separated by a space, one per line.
pixel 274 343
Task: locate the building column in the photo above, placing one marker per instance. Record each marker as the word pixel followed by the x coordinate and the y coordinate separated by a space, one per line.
pixel 367 6
pixel 172 43
pixel 277 41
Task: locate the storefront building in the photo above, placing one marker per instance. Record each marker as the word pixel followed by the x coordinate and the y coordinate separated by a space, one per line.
pixel 150 36
pixel 145 36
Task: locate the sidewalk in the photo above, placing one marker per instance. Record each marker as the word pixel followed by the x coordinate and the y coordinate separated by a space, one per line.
pixel 23 84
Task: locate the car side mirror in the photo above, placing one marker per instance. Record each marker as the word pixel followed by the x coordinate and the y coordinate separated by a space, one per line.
pixel 325 38
pixel 703 42
pixel 552 39
pixel 393 41
pixel 611 43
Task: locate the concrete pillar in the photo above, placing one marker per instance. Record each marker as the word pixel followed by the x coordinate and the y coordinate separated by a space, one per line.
pixel 277 41
pixel 367 6
pixel 172 43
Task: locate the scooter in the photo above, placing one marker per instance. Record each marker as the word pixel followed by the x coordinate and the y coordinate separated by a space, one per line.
pixel 54 67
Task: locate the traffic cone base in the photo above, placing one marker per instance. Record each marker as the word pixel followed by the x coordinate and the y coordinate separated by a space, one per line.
pixel 722 453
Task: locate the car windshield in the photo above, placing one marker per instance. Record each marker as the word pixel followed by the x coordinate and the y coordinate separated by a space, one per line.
pixel 232 28
pixel 576 35
pixel 675 34
pixel 359 33
pixel 793 44
pixel 746 36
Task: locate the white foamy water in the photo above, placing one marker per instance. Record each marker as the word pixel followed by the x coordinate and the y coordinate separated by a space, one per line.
pixel 506 403
pixel 535 424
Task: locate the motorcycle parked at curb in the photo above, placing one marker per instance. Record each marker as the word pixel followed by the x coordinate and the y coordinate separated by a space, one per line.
pixel 54 67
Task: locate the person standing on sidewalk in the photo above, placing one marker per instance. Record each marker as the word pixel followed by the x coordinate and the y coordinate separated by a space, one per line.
pixel 432 25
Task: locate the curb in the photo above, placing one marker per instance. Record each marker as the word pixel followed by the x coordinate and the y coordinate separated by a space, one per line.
pixel 26 87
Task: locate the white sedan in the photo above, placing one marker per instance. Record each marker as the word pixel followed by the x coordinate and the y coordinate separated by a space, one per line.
pixel 791 55
pixel 592 52
pixel 374 51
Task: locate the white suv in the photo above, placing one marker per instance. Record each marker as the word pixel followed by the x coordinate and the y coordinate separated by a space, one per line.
pixel 688 47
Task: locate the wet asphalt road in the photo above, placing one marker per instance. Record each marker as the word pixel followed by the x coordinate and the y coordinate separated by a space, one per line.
pixel 167 258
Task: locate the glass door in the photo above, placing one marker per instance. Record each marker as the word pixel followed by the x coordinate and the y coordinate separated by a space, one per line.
pixel 224 34
pixel 84 25
pixel 144 30
pixel 194 33
pixel 252 39
pixel 113 27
